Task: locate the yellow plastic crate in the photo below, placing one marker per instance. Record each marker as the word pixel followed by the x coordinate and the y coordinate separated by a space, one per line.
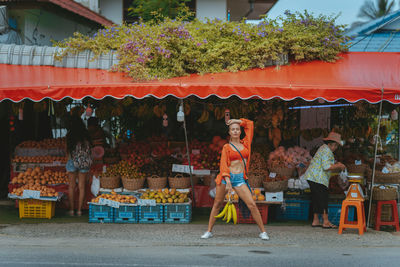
pixel 34 208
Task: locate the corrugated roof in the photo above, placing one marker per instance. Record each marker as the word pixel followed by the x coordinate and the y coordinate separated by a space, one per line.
pixel 376 42
pixel 44 56
pixel 71 6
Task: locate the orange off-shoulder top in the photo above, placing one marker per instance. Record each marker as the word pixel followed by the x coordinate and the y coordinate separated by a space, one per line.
pixel 228 153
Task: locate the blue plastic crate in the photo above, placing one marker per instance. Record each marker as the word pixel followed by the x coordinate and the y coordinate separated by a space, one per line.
pixel 126 214
pixel 296 210
pixel 178 213
pixel 334 211
pixel 100 214
pixel 151 214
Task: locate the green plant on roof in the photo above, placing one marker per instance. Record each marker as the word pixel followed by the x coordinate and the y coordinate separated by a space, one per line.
pixel 166 48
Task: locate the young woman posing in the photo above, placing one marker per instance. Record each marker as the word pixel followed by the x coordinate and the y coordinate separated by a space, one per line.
pixel 233 169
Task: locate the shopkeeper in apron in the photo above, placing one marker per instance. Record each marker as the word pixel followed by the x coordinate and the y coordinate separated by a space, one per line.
pixel 317 176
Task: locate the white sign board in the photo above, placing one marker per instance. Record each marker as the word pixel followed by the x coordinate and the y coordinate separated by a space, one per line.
pixel 146 202
pixel 181 168
pixel 108 202
pixel 31 194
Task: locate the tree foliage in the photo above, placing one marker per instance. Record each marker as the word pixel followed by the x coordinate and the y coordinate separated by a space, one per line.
pixel 371 11
pixel 154 9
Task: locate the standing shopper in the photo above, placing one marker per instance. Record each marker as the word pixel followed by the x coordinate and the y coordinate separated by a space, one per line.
pixel 79 161
pixel 234 165
pixel 317 176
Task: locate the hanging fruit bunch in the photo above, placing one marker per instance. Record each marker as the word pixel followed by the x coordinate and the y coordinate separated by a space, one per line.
pixel 158 110
pixel 127 101
pixel 275 134
pixel 40 106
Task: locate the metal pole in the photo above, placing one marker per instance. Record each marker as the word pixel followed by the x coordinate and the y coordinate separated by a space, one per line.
pixel 188 156
pixel 376 150
pixel 398 134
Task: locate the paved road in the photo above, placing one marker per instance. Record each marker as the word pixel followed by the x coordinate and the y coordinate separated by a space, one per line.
pixel 179 245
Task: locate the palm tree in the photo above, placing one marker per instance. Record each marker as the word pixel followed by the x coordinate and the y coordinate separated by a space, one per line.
pixel 370 11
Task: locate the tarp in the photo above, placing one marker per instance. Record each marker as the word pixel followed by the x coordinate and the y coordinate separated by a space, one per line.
pixel 356 76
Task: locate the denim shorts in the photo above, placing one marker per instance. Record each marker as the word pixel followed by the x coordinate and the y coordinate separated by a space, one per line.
pixel 71 168
pixel 237 179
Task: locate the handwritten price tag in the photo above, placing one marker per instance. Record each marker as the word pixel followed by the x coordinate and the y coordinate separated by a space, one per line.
pixel 201 172
pixel 31 194
pixel 196 151
pixel 108 202
pixel 181 168
pixel 358 162
pixel 56 163
pixel 146 202
pixel 272 175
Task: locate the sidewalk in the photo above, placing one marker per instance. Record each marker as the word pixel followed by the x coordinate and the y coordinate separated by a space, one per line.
pixel 189 235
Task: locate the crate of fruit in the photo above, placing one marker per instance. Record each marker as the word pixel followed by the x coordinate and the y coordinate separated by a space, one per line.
pixel 178 212
pixel 126 214
pixel 35 208
pixel 100 213
pixel 295 209
pixel 151 214
pixel 263 208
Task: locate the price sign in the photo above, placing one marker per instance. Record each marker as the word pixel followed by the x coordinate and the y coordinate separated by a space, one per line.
pixel 272 175
pixel 146 202
pixel 31 194
pixel 358 162
pixel 355 195
pixel 196 151
pixel 109 202
pixel 56 163
pixel 202 172
pixel 181 168
pixel 104 168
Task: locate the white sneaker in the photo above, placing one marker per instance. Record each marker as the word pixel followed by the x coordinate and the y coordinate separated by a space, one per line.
pixel 207 235
pixel 264 236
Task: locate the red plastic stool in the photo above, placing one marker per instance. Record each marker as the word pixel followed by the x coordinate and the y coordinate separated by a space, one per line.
pixel 395 215
pixel 345 223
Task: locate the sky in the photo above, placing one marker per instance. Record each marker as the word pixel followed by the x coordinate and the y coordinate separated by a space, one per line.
pixel 349 9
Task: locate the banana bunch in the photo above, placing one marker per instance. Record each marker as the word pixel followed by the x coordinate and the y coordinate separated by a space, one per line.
pixel 228 213
pixel 144 110
pixel 159 110
pixel 204 116
pixel 127 101
pixel 219 113
pixel 187 109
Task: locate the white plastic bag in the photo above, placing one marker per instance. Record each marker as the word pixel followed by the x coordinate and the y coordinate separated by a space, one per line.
pixel 212 192
pixel 95 188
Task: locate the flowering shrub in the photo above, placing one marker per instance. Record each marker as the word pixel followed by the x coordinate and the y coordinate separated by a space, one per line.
pixel 174 48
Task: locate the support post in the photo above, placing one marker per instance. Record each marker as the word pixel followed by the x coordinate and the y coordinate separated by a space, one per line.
pixel 188 157
pixel 376 139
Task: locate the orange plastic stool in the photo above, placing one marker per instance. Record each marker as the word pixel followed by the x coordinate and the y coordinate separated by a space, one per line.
pixel 395 215
pixel 360 223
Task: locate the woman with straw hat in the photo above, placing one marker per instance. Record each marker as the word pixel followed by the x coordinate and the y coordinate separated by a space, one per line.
pixel 317 176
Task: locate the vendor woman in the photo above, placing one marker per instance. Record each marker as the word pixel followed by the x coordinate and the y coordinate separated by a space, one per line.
pixel 317 176
pixel 235 160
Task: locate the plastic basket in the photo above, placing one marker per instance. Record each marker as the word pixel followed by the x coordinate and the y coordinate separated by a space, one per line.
pixel 178 213
pixel 100 213
pixel 126 214
pixel 334 211
pixel 296 210
pixel 263 208
pixel 151 214
pixel 34 208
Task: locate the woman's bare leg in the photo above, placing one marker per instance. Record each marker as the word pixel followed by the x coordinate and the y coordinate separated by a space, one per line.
pixel 245 194
pixel 218 203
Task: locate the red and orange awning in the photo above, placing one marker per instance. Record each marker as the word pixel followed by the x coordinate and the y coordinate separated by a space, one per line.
pixel 356 76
